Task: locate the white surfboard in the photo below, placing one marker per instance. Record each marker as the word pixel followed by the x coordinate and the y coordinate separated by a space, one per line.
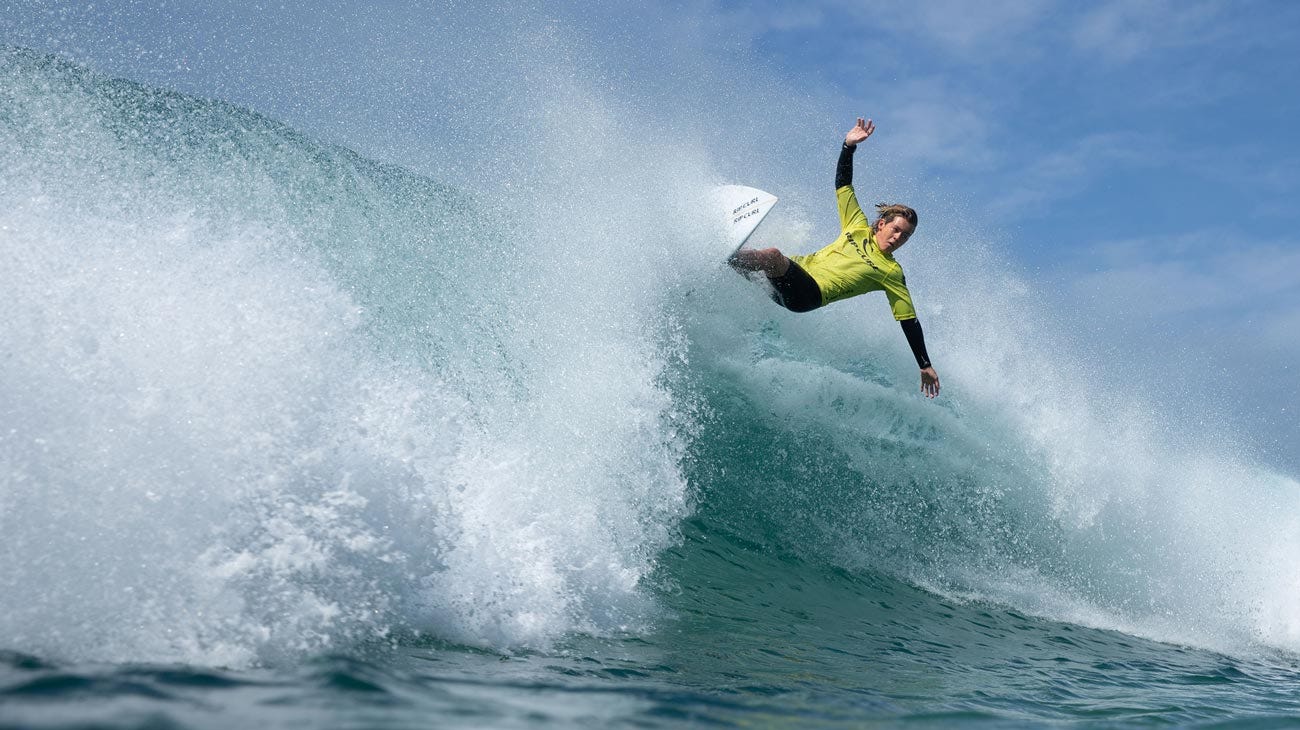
pixel 742 208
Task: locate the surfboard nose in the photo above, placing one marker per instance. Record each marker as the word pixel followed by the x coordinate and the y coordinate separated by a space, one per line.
pixel 741 208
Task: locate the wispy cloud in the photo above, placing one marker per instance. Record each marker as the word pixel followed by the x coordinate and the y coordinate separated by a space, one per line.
pixel 1230 306
pixel 936 125
pixel 1122 30
pixel 790 17
pixel 1280 330
pixel 1208 274
pixel 1052 176
pixel 975 29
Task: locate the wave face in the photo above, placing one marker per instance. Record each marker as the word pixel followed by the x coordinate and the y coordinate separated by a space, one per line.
pixel 261 397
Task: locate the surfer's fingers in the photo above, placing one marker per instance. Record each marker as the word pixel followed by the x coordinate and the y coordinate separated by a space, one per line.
pixel 930 386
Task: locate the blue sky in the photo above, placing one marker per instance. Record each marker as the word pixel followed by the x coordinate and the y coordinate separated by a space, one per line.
pixel 1137 159
pixel 1140 158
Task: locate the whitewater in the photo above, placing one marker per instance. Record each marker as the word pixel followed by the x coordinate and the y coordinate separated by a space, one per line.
pixel 290 436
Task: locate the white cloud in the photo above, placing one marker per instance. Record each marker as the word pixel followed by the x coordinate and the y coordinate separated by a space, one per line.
pixel 792 17
pixel 743 23
pixel 1156 290
pixel 934 124
pixel 1122 30
pixel 1204 309
pixel 1205 275
pixel 1064 172
pixel 965 28
pixel 1282 331
pixel 969 31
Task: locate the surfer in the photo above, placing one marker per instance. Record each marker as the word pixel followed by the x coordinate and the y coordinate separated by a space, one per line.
pixel 861 260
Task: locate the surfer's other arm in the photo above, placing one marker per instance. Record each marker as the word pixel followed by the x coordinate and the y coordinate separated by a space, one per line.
pixel 916 340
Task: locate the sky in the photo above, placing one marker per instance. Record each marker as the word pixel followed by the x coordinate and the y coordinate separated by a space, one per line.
pixel 1139 157
pixel 1136 159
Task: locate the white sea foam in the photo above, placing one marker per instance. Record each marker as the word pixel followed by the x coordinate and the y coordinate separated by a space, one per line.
pixel 236 431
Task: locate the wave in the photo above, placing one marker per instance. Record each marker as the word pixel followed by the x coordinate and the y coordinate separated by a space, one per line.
pixel 264 397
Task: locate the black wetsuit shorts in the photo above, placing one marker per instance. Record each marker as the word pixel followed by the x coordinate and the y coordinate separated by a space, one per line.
pixel 796 290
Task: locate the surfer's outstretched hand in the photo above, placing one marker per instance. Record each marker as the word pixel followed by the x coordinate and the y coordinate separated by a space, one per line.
pixel 860 132
pixel 929 382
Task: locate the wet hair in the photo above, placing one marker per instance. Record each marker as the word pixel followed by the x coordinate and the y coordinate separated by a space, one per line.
pixel 890 211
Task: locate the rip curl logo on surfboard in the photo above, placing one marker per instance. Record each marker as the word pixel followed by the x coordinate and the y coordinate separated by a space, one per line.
pixel 737 216
pixel 744 208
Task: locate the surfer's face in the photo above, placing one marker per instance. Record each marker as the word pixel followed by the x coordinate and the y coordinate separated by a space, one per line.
pixel 891 236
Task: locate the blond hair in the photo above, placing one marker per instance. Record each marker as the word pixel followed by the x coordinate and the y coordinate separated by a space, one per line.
pixel 890 211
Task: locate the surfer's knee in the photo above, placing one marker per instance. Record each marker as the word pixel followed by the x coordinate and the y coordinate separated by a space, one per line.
pixel 773 262
pixel 770 261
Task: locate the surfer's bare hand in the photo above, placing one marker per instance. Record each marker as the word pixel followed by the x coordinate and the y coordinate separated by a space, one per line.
pixel 929 382
pixel 860 132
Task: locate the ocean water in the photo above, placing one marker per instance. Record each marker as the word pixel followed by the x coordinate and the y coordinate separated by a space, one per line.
pixel 293 438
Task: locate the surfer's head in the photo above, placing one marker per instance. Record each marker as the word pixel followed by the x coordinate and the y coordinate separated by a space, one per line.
pixel 894 226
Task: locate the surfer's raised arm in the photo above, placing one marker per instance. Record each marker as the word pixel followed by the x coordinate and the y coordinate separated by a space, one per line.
pixel 844 169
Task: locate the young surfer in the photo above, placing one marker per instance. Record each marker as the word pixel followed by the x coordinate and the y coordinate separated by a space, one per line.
pixel 861 260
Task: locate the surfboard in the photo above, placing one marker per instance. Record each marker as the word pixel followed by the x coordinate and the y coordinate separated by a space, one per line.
pixel 742 208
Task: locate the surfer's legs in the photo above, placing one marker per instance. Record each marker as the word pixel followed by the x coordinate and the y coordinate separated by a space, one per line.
pixel 770 261
pixel 792 287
